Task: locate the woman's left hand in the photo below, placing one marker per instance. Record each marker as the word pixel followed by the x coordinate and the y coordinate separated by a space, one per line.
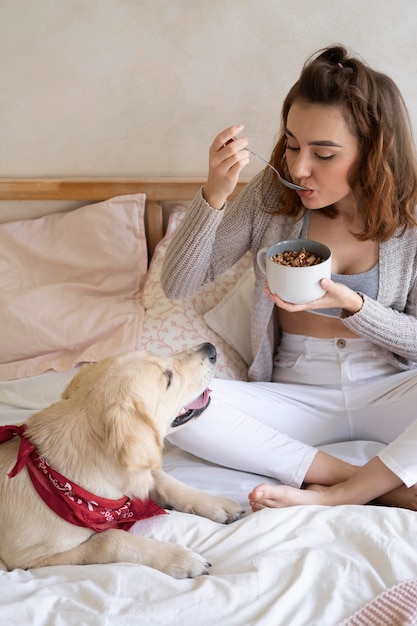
pixel 336 296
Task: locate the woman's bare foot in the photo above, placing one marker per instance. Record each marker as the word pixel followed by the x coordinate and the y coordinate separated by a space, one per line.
pixel 324 472
pixel 277 496
pixel 373 483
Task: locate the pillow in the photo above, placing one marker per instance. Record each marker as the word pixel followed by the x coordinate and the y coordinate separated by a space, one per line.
pixel 231 317
pixel 70 286
pixel 173 325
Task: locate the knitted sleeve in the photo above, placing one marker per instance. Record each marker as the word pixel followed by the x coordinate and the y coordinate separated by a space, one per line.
pixel 390 322
pixel 387 328
pixel 208 242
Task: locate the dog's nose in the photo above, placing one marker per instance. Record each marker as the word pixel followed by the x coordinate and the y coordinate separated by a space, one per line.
pixel 210 351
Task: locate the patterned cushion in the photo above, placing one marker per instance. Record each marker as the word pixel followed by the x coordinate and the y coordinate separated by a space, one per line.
pixel 174 325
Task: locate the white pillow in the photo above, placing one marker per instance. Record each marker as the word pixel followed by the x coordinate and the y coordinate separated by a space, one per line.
pixel 231 317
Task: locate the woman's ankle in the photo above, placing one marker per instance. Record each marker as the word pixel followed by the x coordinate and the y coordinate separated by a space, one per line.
pixel 329 470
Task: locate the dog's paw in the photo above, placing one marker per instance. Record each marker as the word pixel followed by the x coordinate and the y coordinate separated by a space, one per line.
pixel 180 562
pixel 222 510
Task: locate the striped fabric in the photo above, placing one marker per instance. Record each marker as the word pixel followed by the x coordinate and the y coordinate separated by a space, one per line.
pixel 395 607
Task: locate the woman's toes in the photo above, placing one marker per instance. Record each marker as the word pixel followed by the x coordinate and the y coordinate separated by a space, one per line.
pixel 259 493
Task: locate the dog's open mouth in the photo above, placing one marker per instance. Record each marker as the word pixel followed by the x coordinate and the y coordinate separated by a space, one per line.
pixel 192 410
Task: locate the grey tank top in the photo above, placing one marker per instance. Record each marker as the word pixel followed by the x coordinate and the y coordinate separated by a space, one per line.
pixel 365 282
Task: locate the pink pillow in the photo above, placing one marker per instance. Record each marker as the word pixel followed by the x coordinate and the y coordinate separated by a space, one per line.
pixel 70 286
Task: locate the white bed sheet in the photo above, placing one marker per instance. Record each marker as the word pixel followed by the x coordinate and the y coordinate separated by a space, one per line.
pixel 301 566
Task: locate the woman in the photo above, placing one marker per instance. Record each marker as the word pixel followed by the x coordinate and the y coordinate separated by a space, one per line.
pixel 344 366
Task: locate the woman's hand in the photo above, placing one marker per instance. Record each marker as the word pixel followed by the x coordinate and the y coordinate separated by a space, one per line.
pixel 227 158
pixel 336 296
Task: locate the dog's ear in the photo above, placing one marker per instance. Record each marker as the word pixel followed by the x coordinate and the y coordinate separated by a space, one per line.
pixel 131 437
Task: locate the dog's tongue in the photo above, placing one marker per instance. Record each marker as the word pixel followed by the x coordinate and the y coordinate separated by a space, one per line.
pixel 199 402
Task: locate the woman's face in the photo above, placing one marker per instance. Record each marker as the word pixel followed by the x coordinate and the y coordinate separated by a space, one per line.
pixel 320 153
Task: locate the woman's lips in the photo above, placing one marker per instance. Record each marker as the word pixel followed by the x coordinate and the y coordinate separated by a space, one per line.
pixel 305 194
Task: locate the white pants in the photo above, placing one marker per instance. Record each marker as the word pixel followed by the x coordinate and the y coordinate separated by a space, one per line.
pixel 323 391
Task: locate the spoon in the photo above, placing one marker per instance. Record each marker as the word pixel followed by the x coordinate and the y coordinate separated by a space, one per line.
pixel 280 178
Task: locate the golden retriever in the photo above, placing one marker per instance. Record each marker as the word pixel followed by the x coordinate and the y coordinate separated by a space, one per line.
pixel 106 435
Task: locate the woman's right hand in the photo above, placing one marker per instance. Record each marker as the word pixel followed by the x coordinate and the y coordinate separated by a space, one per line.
pixel 227 158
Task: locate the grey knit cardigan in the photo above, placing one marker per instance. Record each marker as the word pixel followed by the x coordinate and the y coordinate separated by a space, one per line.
pixel 208 242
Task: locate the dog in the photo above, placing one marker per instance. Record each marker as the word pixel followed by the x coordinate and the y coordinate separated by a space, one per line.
pixel 101 445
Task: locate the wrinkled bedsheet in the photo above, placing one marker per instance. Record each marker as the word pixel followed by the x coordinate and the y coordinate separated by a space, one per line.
pixel 300 566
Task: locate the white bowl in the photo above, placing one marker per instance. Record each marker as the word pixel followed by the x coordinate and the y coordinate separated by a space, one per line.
pixel 298 285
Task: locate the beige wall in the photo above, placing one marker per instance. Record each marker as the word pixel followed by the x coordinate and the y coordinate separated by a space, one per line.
pixel 140 87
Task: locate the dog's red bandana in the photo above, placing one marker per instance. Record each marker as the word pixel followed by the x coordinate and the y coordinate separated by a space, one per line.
pixel 70 501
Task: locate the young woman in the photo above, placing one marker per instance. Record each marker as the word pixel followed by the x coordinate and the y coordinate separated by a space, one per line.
pixel 344 366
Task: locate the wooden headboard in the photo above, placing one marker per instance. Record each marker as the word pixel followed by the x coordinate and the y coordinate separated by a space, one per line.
pixel 157 190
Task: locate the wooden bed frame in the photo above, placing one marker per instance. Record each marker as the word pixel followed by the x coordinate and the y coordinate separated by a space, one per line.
pixel 157 190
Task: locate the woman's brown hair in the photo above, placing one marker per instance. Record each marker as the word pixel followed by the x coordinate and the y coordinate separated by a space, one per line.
pixel 385 181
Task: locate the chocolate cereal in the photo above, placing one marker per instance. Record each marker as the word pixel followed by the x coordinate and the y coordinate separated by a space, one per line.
pixel 297 259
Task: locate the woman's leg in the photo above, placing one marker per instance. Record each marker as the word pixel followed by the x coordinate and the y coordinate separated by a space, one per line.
pixel 271 428
pixel 268 429
pixel 367 483
pixel 391 477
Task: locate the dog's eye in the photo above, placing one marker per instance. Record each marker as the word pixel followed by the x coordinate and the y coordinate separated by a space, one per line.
pixel 168 375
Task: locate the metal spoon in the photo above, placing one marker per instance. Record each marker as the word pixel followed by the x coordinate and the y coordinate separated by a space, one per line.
pixel 280 178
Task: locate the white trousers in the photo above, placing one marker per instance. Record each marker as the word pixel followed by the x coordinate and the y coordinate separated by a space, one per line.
pixel 323 391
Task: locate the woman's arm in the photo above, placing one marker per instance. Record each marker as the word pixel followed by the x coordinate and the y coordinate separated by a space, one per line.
pixel 208 242
pixel 391 330
pixel 390 322
pixel 197 254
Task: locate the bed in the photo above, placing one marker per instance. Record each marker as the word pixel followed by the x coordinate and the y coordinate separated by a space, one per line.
pixel 80 261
